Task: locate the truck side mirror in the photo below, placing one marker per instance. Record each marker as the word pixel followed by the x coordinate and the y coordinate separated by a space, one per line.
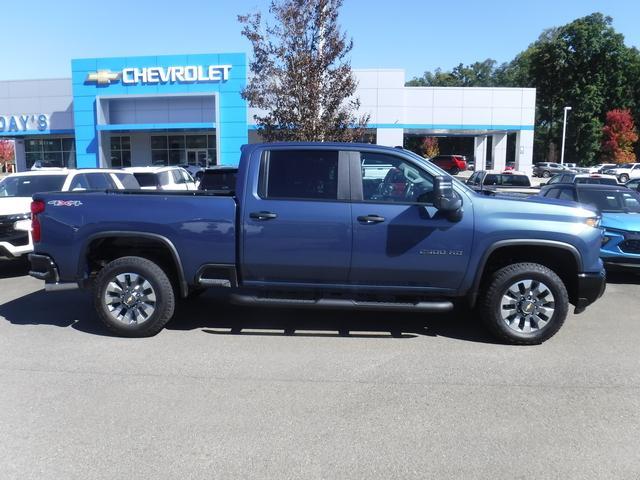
pixel 445 199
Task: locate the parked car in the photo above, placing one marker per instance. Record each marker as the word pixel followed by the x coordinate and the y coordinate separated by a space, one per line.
pixel 508 181
pixel 453 164
pixel 220 180
pixel 301 232
pixel 547 169
pixel 594 178
pixel 17 189
pixel 510 166
pixel 163 178
pixel 620 210
pixel 601 167
pixel 633 184
pixel 625 172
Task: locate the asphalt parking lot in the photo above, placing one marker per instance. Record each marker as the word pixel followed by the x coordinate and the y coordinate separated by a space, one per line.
pixel 226 392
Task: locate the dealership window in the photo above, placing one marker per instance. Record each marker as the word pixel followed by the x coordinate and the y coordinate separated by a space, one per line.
pixel 120 152
pixel 183 149
pixel 50 152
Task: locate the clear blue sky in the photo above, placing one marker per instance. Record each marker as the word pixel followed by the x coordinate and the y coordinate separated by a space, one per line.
pixel 40 37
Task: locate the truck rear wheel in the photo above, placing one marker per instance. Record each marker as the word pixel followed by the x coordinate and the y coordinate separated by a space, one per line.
pixel 133 297
pixel 524 303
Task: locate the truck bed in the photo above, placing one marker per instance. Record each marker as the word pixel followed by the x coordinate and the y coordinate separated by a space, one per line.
pixel 200 225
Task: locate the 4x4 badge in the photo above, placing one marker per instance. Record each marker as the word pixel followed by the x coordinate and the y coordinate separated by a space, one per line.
pixel 64 203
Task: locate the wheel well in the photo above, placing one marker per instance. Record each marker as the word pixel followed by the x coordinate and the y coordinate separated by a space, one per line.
pixel 560 260
pixel 101 251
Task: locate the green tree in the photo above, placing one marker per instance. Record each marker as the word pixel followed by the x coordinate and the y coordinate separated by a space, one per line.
pixel 583 64
pixel 301 78
pixel 478 74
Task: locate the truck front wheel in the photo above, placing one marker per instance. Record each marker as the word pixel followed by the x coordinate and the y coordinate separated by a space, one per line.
pixel 133 297
pixel 524 303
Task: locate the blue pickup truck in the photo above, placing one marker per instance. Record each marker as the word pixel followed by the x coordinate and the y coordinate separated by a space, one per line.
pixel 308 227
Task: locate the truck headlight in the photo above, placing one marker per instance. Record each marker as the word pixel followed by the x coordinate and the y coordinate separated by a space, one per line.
pixel 24 225
pixel 593 222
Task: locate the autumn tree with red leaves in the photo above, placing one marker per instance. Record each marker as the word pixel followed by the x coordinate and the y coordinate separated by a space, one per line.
pixel 430 147
pixel 619 135
pixel 6 152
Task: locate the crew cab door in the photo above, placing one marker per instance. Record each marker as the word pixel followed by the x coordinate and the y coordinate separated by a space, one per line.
pixel 399 238
pixel 296 219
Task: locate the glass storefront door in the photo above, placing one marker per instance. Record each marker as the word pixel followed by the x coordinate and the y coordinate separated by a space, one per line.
pixel 197 157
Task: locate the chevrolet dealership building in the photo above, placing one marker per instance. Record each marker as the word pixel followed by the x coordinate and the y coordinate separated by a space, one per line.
pixel 177 109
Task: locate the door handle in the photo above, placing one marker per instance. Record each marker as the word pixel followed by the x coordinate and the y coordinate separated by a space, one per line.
pixel 370 219
pixel 263 215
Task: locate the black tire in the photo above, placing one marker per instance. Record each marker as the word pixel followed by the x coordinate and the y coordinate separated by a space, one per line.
pixel 624 178
pixel 454 171
pixel 164 304
pixel 546 174
pixel 491 302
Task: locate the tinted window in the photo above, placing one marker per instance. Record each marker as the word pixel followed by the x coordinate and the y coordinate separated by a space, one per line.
pixel 554 179
pixel 491 179
pixel 177 177
pixel 79 182
pixel 223 180
pixel 403 183
pixel 597 181
pixel 27 185
pixel 302 174
pixel 147 179
pixel 552 193
pixel 100 181
pixel 566 194
pixel 187 176
pixel 128 180
pixel 611 200
pixel 516 181
pixel 473 180
pixel 165 178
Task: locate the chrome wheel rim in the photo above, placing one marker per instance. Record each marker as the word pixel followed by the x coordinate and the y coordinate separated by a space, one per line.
pixel 130 299
pixel 527 306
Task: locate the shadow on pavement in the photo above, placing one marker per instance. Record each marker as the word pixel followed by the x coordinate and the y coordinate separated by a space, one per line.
pixel 15 267
pixel 217 317
pixel 60 309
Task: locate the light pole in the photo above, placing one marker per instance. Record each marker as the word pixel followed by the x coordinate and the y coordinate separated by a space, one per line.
pixel 564 132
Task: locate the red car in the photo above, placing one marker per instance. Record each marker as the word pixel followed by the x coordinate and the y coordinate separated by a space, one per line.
pixel 453 164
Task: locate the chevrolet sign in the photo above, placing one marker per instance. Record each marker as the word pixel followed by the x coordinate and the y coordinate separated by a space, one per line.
pixel 156 75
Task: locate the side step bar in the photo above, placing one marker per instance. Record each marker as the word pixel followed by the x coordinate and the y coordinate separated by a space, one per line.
pixel 250 300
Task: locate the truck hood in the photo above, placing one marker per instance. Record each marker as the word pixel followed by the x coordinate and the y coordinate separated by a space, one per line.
pixel 536 205
pixel 621 221
pixel 14 205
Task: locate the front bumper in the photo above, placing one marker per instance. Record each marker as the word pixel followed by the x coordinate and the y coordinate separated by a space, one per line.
pixel 44 268
pixel 591 287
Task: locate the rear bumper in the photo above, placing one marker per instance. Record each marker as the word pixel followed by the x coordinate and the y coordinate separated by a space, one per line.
pixel 591 286
pixel 44 268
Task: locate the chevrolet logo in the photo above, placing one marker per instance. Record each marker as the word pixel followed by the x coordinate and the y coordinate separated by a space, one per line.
pixel 103 77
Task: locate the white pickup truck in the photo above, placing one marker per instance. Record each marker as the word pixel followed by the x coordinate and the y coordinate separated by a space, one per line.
pixel 16 191
pixel 625 172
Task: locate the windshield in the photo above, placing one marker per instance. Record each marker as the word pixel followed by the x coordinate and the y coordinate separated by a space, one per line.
pixel 611 200
pixel 147 179
pixel 27 185
pixel 625 165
